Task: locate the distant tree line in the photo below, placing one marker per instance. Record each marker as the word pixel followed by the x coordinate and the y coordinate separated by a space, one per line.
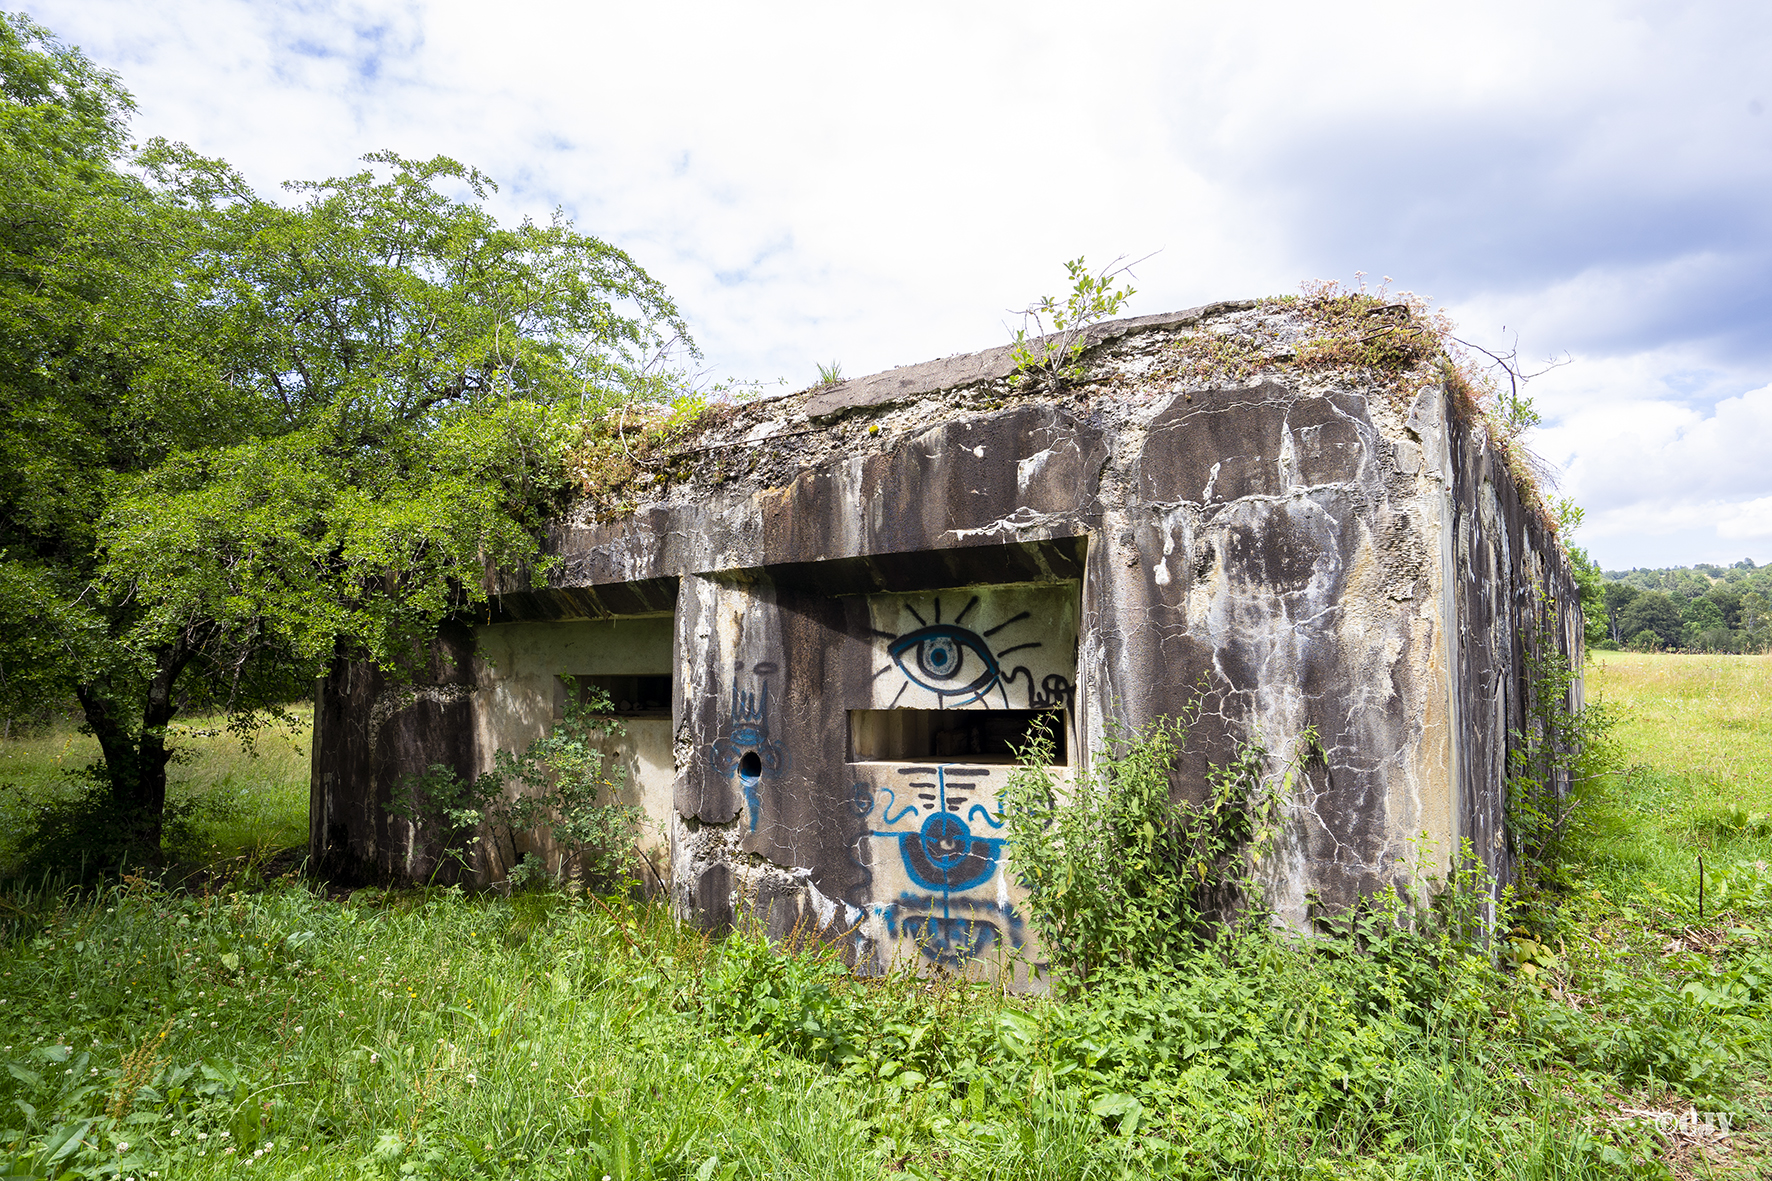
pixel 1702 608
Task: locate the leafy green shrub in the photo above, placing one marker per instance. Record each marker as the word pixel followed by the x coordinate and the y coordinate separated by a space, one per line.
pixel 1646 1033
pixel 1053 353
pixel 783 998
pixel 1561 758
pixel 1118 873
pixel 1646 641
pixel 1424 961
pixel 565 783
pixel 89 836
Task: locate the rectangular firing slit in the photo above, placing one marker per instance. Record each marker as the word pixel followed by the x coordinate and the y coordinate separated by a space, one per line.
pixel 984 737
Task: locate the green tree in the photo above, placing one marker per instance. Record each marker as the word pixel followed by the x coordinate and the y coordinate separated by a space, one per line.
pixel 1619 595
pixel 1728 603
pixel 244 439
pixel 1595 624
pixel 1756 620
pixel 102 372
pixel 1657 612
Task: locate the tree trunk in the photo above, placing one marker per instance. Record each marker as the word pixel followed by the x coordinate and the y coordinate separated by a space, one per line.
pixel 115 743
pixel 135 759
pixel 157 714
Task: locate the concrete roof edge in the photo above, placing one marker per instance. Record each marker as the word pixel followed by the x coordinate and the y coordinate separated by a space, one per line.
pixel 993 364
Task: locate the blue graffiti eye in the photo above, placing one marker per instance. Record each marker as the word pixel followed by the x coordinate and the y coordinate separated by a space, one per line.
pixel 939 656
pixel 937 659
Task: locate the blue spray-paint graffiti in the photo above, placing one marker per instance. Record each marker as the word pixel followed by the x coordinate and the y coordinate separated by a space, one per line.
pixel 959 665
pixel 948 914
pixel 746 749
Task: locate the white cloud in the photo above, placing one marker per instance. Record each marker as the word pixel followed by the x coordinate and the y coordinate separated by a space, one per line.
pixel 1749 522
pixel 1667 469
pixel 878 186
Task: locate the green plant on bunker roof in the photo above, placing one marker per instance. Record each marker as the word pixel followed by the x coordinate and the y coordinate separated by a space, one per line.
pixel 1060 329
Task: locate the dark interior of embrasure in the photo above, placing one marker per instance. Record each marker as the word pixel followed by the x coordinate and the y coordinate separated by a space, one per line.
pixel 953 735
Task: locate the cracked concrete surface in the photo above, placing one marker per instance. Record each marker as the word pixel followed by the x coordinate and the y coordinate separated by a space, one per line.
pixel 1301 550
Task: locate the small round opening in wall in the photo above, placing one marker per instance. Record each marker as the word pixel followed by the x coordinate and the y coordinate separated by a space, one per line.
pixel 751 767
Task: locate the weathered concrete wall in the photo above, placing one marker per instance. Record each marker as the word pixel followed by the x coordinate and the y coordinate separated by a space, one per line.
pixel 1309 550
pixel 519 693
pixel 1510 577
pixel 483 689
pixel 369 730
pixel 1273 556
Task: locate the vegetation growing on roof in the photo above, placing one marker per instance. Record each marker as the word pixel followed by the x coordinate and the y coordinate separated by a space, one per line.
pixel 1391 340
pixel 1052 356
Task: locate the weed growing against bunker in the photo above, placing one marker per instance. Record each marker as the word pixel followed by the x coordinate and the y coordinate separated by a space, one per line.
pixel 1120 876
pixel 563 783
pixel 1556 764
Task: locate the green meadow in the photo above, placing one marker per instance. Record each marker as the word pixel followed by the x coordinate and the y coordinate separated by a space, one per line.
pixel 249 801
pixel 244 1022
pixel 1694 766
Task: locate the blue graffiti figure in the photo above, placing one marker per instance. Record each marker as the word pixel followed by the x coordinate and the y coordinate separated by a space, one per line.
pixel 944 856
pixel 952 940
pixel 746 748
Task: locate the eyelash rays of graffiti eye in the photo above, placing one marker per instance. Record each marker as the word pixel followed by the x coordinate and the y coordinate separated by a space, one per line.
pixel 934 656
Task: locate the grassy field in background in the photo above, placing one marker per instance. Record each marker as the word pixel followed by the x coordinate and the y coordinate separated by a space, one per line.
pixel 1694 752
pixel 265 1029
pixel 255 802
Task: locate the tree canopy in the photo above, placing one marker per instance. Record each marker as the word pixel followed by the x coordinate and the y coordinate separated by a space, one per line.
pixel 1703 608
pixel 244 438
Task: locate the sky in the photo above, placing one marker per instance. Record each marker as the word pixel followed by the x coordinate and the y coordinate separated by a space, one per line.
pixel 876 185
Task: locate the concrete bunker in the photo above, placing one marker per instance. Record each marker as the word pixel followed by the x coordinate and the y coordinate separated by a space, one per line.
pixel 858 600
pixel 521 676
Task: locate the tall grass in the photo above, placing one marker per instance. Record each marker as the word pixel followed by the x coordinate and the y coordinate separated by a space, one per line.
pixel 273 1032
pixel 1695 777
pixel 265 1028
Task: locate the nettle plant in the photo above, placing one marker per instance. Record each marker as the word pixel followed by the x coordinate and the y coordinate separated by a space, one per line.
pixel 1120 875
pixel 563 783
pixel 1562 752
